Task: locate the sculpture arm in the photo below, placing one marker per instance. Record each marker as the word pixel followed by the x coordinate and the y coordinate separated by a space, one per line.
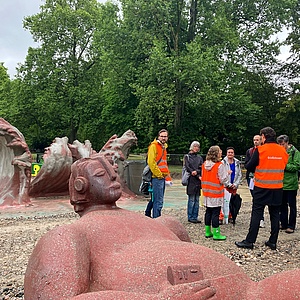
pixel 175 226
pixel 187 291
pixel 59 266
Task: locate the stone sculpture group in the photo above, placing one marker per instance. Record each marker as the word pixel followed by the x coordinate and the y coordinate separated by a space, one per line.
pixel 17 185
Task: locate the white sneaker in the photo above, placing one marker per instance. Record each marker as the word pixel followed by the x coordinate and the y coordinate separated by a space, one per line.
pixel 262 224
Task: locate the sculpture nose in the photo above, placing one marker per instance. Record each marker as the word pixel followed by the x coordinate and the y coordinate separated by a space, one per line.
pixel 113 176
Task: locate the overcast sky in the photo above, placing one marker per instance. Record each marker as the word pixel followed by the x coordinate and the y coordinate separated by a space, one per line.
pixel 14 39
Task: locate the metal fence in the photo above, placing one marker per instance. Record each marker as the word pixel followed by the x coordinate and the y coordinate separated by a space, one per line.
pixel 177 159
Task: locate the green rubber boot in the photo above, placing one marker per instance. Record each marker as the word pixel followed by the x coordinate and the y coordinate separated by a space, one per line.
pixel 217 235
pixel 208 232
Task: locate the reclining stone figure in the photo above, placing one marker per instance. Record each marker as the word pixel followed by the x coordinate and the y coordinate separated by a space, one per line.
pixel 113 253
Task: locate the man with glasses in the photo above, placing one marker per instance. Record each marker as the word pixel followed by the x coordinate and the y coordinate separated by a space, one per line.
pixel 290 186
pixel 157 161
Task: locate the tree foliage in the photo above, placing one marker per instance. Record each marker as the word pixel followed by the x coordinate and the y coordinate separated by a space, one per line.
pixel 202 69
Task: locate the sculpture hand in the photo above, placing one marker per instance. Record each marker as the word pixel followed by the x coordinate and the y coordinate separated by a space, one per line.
pixel 189 291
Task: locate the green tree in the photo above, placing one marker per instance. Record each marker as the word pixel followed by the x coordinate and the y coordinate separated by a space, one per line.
pixel 60 82
pixel 196 65
pixel 288 118
pixel 5 93
pixel 117 73
pixel 199 68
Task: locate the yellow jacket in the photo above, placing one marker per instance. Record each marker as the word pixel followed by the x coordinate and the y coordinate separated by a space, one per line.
pixel 156 151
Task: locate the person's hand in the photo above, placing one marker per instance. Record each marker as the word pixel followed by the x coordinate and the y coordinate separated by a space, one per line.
pixel 194 173
pixel 169 183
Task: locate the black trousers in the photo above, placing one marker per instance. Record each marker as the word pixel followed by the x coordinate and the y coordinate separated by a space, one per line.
pixel 256 216
pixel 212 216
pixel 288 201
pixel 251 192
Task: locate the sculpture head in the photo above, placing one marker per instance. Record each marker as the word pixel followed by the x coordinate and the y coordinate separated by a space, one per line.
pixel 93 184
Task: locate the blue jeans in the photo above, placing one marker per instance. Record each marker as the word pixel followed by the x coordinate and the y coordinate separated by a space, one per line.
pixel 193 207
pixel 158 186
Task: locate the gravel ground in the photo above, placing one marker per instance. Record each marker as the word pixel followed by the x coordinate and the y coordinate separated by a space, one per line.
pixel 19 236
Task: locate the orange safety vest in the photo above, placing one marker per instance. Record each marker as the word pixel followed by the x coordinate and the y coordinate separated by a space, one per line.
pixel 211 185
pixel 162 153
pixel 270 170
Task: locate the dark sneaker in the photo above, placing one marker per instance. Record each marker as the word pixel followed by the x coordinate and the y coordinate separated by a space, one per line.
pixel 194 221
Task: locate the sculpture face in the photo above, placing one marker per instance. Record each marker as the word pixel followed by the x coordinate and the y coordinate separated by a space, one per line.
pixel 94 181
pixel 102 177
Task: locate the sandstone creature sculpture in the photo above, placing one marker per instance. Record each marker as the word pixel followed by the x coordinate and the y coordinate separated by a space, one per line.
pixel 15 166
pixel 112 253
pixel 53 177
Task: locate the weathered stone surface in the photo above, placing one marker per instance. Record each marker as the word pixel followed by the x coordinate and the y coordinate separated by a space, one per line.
pixel 16 184
pixel 112 253
pixel 118 149
pixel 15 166
pixel 81 150
pixel 53 178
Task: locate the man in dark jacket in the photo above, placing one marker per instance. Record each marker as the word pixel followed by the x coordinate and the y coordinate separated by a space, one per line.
pixel 267 163
pixel 249 175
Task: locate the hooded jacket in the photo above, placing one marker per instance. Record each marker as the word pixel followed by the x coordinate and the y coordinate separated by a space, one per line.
pixel 221 177
pixel 290 179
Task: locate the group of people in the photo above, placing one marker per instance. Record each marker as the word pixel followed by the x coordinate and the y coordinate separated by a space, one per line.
pixel 272 166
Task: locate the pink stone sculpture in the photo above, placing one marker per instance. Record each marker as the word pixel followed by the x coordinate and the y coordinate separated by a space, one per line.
pixel 80 150
pixel 118 149
pixel 16 183
pixel 53 177
pixel 112 253
pixel 15 166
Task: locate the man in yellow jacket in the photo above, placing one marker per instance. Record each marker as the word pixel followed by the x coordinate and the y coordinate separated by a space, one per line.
pixel 157 161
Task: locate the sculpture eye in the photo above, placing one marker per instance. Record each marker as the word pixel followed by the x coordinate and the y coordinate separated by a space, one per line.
pixel 99 172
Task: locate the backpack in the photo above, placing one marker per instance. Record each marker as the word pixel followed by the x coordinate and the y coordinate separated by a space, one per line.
pixel 147 177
